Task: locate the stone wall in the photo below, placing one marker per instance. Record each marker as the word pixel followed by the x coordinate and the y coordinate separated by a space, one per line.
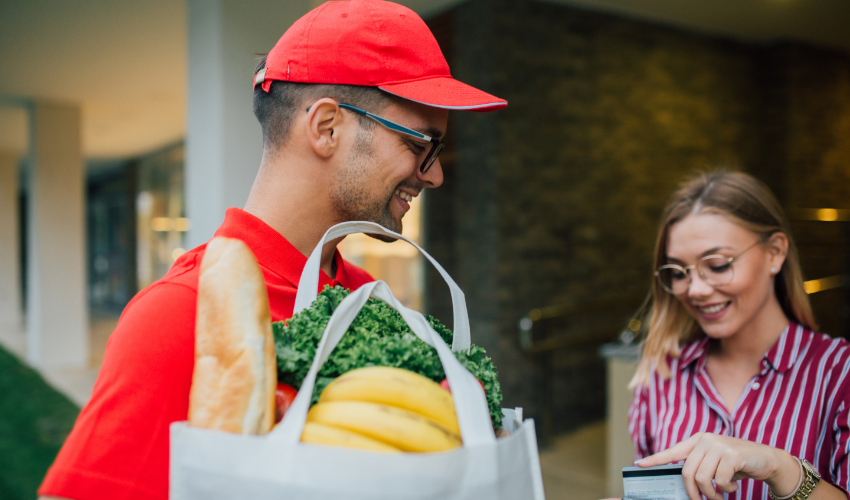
pixel 816 156
pixel 556 199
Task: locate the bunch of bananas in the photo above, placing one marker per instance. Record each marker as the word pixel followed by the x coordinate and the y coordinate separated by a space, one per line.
pixel 387 409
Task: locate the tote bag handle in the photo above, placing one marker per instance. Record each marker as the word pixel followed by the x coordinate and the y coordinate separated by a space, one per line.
pixel 308 286
pixel 470 402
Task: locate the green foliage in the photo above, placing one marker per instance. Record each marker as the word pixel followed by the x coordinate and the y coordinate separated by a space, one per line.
pixel 377 337
pixel 34 421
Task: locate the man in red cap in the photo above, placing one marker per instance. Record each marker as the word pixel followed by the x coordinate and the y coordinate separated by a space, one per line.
pixel 353 102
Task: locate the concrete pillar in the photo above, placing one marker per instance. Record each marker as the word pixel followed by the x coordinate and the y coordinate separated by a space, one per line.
pixel 10 279
pixel 57 315
pixel 621 365
pixel 223 139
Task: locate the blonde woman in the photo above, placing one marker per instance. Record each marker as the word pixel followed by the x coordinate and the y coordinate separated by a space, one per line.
pixel 734 380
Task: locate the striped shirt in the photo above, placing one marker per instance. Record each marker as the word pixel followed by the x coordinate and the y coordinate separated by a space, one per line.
pixel 799 401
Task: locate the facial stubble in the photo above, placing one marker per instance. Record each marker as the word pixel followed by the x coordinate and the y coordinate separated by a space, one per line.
pixel 350 196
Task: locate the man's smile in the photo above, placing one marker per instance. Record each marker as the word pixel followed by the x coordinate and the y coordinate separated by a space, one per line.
pixel 404 196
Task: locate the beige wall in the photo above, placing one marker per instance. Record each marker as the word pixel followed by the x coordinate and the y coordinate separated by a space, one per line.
pixel 57 316
pixel 10 285
pixel 223 139
pixel 621 367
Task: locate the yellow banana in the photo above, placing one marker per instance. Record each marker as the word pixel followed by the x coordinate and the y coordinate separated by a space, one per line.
pixel 395 387
pixel 334 436
pixel 406 430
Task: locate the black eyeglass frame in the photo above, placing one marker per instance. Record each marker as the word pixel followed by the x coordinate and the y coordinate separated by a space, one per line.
pixel 436 144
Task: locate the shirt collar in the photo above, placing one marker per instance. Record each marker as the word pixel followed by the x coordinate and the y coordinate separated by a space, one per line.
pixel 787 350
pixel 272 250
pixel 693 352
pixel 781 357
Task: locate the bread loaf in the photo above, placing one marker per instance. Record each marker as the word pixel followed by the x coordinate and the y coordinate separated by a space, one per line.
pixel 235 376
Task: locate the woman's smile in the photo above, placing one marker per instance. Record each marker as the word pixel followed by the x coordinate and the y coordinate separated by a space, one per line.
pixel 712 312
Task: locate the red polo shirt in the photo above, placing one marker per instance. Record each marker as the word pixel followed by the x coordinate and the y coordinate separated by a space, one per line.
pixel 118 449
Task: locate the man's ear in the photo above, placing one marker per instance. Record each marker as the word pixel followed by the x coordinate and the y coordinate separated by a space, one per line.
pixel 324 120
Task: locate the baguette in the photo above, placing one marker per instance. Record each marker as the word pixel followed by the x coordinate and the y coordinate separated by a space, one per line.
pixel 234 379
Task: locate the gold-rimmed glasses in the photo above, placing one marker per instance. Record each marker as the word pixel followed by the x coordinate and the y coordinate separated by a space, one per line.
pixel 715 269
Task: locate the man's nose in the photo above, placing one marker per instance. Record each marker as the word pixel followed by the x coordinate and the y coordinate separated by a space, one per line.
pixel 433 177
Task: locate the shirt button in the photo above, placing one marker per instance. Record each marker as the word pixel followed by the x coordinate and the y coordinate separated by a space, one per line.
pixel 756 386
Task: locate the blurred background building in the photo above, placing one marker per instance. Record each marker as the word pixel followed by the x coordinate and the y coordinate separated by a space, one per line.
pixel 126 131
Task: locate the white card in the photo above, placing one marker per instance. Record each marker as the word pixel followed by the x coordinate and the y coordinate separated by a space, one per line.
pixel 663 482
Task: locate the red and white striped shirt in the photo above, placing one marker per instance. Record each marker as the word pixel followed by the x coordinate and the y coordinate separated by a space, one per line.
pixel 799 401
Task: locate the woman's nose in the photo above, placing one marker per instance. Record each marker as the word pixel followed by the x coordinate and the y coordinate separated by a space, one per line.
pixel 698 287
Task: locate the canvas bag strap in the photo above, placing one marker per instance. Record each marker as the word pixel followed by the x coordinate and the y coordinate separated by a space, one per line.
pixel 308 286
pixel 470 402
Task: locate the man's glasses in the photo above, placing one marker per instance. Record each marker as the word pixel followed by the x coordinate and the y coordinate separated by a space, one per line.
pixel 716 270
pixel 436 144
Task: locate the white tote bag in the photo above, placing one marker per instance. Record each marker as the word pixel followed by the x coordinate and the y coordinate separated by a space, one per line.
pixel 213 465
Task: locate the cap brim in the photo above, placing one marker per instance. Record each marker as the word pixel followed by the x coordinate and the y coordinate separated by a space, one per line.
pixel 445 92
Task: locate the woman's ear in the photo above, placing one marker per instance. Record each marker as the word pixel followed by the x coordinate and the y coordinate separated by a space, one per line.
pixel 324 118
pixel 777 246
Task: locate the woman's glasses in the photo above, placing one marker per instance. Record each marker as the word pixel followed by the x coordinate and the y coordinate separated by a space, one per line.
pixel 716 270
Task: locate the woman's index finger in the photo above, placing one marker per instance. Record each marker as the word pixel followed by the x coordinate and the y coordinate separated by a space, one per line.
pixel 675 453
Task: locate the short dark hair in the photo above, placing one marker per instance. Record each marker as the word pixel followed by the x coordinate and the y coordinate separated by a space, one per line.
pixel 277 108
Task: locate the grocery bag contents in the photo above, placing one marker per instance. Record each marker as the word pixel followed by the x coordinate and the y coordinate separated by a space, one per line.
pixel 284 395
pixel 402 429
pixel 378 337
pixel 395 387
pixel 334 436
pixel 445 385
pixel 393 406
pixel 234 379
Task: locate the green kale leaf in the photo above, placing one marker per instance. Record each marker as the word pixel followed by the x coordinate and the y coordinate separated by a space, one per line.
pixel 378 336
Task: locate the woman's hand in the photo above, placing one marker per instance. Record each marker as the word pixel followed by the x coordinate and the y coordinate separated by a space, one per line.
pixel 725 460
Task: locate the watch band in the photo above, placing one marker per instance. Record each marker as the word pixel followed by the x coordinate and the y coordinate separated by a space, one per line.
pixel 808 481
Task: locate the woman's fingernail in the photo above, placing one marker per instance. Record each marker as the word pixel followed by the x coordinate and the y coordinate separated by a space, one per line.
pixel 637 462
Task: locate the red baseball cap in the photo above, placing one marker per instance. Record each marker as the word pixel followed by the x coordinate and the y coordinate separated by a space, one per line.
pixel 371 43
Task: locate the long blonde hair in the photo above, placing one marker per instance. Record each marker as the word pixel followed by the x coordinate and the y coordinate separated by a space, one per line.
pixel 748 203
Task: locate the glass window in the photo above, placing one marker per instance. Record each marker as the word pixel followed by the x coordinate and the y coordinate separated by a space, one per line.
pixel 161 222
pixel 398 264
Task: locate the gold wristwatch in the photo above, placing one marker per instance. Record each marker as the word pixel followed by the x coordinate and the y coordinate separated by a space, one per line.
pixel 807 484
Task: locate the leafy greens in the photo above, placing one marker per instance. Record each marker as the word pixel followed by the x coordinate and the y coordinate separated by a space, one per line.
pixel 378 336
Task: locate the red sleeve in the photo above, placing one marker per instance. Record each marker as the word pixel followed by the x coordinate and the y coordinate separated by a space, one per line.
pixel 118 449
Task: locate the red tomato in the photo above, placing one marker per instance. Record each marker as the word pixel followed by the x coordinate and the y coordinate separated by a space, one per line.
pixel 445 385
pixel 283 398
